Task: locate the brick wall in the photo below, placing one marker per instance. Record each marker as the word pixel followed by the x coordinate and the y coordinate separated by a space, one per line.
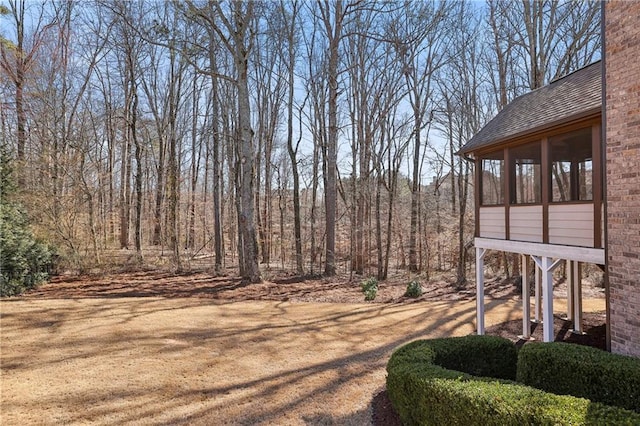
pixel 622 59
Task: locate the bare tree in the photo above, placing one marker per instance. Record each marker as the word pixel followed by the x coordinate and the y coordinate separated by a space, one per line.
pixel 270 92
pixel 333 16
pixel 389 156
pixel 374 90
pixel 464 106
pixel 554 35
pixel 290 18
pixel 536 41
pixel 217 145
pixel 128 116
pixel 130 49
pixel 175 93
pixel 316 86
pixel 419 38
pixel 17 58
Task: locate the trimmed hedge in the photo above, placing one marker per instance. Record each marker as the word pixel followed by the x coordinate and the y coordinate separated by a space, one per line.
pixel 583 371
pixel 435 382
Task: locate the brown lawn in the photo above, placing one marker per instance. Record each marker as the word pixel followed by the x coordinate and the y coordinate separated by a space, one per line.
pixel 153 348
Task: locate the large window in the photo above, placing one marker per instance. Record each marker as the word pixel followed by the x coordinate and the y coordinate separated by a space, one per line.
pixel 526 174
pixel 492 178
pixel 571 166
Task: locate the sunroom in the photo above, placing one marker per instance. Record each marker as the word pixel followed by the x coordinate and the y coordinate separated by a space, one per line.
pixel 538 190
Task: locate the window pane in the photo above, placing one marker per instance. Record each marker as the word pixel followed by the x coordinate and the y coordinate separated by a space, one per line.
pixel 560 180
pixel 571 166
pixel 585 191
pixel 492 175
pixel 527 167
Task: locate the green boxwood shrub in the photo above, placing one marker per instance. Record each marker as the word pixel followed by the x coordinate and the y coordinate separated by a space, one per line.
pixel 565 368
pixel 489 356
pixel 414 289
pixel 369 288
pixel 435 382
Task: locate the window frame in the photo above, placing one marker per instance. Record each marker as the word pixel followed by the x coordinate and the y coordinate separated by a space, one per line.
pixel 513 174
pixel 574 178
pixel 501 183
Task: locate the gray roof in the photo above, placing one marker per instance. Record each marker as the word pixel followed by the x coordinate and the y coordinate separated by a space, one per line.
pixel 573 95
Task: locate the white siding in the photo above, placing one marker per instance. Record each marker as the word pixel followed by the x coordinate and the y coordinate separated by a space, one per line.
pixel 492 222
pixel 571 224
pixel 525 223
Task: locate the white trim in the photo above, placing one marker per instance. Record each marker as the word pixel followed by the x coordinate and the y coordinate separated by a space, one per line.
pixel 580 254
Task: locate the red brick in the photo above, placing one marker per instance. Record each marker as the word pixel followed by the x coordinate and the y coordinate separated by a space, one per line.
pixel 622 74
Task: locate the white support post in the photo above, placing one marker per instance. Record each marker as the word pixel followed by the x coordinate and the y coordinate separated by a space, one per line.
pixel 537 305
pixel 547 300
pixel 547 297
pixel 577 297
pixel 570 287
pixel 480 252
pixel 526 299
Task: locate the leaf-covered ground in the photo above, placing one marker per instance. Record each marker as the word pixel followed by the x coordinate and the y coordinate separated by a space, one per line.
pixel 154 347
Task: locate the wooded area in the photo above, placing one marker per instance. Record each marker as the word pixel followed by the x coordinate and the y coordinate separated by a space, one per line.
pixel 303 135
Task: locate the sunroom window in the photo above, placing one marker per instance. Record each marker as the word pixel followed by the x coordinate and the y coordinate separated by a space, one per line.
pixel 526 167
pixel 492 178
pixel 571 166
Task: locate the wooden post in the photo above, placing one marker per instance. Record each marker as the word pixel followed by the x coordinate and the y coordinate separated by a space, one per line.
pixel 526 299
pixel 480 252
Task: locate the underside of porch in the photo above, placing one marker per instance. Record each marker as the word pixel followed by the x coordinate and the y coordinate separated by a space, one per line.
pixel 546 257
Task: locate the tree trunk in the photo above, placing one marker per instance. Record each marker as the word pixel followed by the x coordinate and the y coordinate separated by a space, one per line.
pixel 334 35
pixel 297 226
pixel 125 179
pixel 247 223
pixel 415 197
pixel 138 177
pixel 173 165
pixel 217 144
pixel 380 261
pixel 159 196
pixel 195 166
pixel 314 196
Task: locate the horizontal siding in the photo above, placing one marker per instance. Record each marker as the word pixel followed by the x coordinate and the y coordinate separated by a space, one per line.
pixel 525 223
pixel 571 224
pixel 492 222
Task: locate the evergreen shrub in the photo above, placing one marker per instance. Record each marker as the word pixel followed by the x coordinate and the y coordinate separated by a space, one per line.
pixel 369 288
pixel 24 261
pixel 414 289
pixel 583 371
pixel 468 380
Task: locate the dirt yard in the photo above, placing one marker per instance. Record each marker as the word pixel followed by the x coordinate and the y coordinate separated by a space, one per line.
pixel 155 348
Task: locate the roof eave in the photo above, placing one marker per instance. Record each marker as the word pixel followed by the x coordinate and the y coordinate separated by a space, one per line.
pixel 545 128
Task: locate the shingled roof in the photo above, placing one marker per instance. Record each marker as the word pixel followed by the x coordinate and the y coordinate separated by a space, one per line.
pixel 573 95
